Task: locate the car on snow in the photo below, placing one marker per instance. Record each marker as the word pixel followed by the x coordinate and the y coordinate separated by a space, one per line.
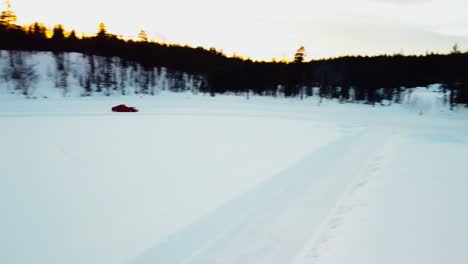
pixel 124 108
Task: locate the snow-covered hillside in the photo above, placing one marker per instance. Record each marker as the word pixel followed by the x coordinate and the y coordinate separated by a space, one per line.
pixel 200 179
pixel 54 75
pixel 43 75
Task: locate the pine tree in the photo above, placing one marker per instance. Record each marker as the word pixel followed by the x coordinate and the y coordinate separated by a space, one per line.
pixel 8 17
pixel 300 55
pixel 38 31
pixel 102 31
pixel 108 74
pixel 61 75
pixel 142 36
pixel 72 36
pixel 123 71
pixel 22 72
pixel 58 33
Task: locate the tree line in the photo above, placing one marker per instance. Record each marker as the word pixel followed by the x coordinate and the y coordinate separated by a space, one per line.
pixel 349 79
pixel 23 71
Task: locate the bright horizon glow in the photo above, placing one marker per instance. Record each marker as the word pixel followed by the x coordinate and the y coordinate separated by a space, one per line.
pixel 263 30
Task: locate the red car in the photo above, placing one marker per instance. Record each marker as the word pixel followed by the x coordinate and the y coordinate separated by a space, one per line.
pixel 124 108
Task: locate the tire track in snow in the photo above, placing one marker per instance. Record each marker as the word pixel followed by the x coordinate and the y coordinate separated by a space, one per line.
pixel 271 223
pixel 319 244
pixel 223 223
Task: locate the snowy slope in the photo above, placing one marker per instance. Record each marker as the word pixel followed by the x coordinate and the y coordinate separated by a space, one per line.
pixel 40 75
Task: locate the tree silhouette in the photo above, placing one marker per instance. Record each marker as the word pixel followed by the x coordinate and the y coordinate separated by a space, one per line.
pixel 58 33
pixel 361 78
pixel 455 49
pixel 58 37
pixel 142 36
pixel 102 31
pixel 38 31
pixel 8 17
pixel 72 36
pixel 295 75
pixel 300 54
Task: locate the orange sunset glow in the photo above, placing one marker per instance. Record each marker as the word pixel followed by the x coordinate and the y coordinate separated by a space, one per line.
pixel 263 29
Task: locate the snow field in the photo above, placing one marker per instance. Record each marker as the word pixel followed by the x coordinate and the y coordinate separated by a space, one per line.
pixel 82 187
pixel 196 179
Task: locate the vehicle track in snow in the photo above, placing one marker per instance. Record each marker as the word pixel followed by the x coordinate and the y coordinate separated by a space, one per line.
pixel 354 198
pixel 272 222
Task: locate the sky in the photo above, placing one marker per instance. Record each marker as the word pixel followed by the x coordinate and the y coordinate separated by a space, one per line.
pixel 266 29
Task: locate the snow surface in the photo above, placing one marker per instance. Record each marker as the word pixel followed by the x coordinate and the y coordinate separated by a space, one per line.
pixel 196 179
pixel 199 179
pixel 103 186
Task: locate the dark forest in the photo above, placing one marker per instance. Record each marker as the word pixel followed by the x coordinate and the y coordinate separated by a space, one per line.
pixel 349 78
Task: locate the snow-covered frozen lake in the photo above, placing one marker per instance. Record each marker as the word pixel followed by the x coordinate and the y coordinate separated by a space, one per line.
pixel 195 179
